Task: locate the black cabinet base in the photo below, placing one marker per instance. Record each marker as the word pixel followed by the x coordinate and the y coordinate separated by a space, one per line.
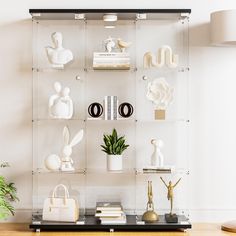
pixel 90 223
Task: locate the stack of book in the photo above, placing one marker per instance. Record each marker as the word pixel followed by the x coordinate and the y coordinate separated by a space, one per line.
pixel 111 107
pixel 112 60
pixel 167 169
pixel 110 213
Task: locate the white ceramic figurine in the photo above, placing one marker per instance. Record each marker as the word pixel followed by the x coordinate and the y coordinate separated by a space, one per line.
pixel 66 160
pixel 157 158
pixel 57 55
pixel 109 44
pixel 123 45
pixel 60 104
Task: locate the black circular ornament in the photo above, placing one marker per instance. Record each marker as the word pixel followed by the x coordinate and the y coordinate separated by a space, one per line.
pixel 95 110
pixel 126 109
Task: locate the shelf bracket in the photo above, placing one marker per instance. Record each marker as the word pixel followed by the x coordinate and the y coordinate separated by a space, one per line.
pixel 141 16
pixel 184 15
pixel 36 15
pixel 79 16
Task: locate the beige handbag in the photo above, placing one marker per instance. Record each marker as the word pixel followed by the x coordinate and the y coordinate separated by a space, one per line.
pixel 63 209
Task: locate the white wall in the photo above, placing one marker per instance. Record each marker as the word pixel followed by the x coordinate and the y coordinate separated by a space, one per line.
pixel 213 115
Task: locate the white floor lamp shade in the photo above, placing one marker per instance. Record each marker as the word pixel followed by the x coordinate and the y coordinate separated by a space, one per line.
pixel 223 28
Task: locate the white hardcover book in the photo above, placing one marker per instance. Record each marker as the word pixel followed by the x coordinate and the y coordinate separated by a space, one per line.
pixel 111 54
pixel 115 107
pixel 112 107
pixel 111 58
pixel 109 206
pixel 108 215
pixel 111 67
pixel 118 220
pixel 109 107
pixel 109 211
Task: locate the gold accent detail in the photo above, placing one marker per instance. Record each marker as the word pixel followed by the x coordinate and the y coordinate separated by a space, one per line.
pixel 150 215
pixel 160 114
pixel 170 194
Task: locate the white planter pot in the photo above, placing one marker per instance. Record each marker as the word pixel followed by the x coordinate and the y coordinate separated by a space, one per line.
pixel 114 162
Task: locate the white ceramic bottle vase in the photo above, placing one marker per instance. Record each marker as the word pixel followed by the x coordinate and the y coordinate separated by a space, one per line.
pixel 157 158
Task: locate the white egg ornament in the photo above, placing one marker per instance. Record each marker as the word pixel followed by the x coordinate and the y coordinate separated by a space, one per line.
pixel 52 162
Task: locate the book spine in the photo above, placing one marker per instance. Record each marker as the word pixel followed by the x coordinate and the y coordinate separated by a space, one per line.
pixel 109 108
pixel 105 107
pixel 113 54
pixel 112 107
pixel 115 107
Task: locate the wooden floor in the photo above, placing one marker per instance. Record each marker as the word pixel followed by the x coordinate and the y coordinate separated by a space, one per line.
pixel 197 230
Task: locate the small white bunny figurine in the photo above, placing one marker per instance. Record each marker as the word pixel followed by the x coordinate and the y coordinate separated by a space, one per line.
pixel 66 160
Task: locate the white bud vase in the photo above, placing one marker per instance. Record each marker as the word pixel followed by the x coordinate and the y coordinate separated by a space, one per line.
pixel 114 162
pixel 157 158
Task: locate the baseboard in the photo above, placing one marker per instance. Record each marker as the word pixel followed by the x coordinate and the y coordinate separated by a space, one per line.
pixel 212 215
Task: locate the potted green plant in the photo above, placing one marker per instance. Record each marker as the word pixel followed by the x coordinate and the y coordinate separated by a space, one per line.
pixel 114 146
pixel 7 195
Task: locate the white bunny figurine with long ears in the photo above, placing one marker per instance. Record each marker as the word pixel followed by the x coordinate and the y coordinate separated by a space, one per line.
pixel 66 160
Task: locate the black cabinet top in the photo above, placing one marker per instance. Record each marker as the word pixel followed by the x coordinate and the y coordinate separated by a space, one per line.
pixel 96 14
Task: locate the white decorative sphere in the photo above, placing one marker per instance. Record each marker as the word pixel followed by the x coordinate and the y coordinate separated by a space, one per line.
pixel 52 162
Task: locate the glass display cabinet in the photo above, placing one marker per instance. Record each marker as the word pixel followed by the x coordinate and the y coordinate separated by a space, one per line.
pixel 148 45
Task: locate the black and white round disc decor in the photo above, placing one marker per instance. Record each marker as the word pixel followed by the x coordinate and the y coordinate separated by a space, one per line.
pixel 126 110
pixel 95 110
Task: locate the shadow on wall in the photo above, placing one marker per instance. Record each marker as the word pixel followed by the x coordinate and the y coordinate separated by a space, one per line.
pixel 16 41
pixel 199 35
pixel 16 97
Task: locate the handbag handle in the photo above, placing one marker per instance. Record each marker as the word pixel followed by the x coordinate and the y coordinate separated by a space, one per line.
pixel 66 192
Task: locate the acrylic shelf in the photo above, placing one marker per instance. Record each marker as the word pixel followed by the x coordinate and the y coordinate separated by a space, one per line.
pixel 90 69
pixel 55 70
pixel 56 120
pixel 179 171
pixel 181 120
pixel 47 172
pixel 125 171
pixel 128 120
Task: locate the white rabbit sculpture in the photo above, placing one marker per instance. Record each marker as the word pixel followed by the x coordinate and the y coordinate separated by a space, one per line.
pixel 66 160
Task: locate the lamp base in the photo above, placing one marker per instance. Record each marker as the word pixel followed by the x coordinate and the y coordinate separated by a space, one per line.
pixel 229 226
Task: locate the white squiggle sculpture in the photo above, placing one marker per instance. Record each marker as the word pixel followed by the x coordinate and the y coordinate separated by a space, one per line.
pixel 164 56
pixel 160 93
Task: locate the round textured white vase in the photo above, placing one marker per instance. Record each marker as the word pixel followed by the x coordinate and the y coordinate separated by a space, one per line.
pixel 114 162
